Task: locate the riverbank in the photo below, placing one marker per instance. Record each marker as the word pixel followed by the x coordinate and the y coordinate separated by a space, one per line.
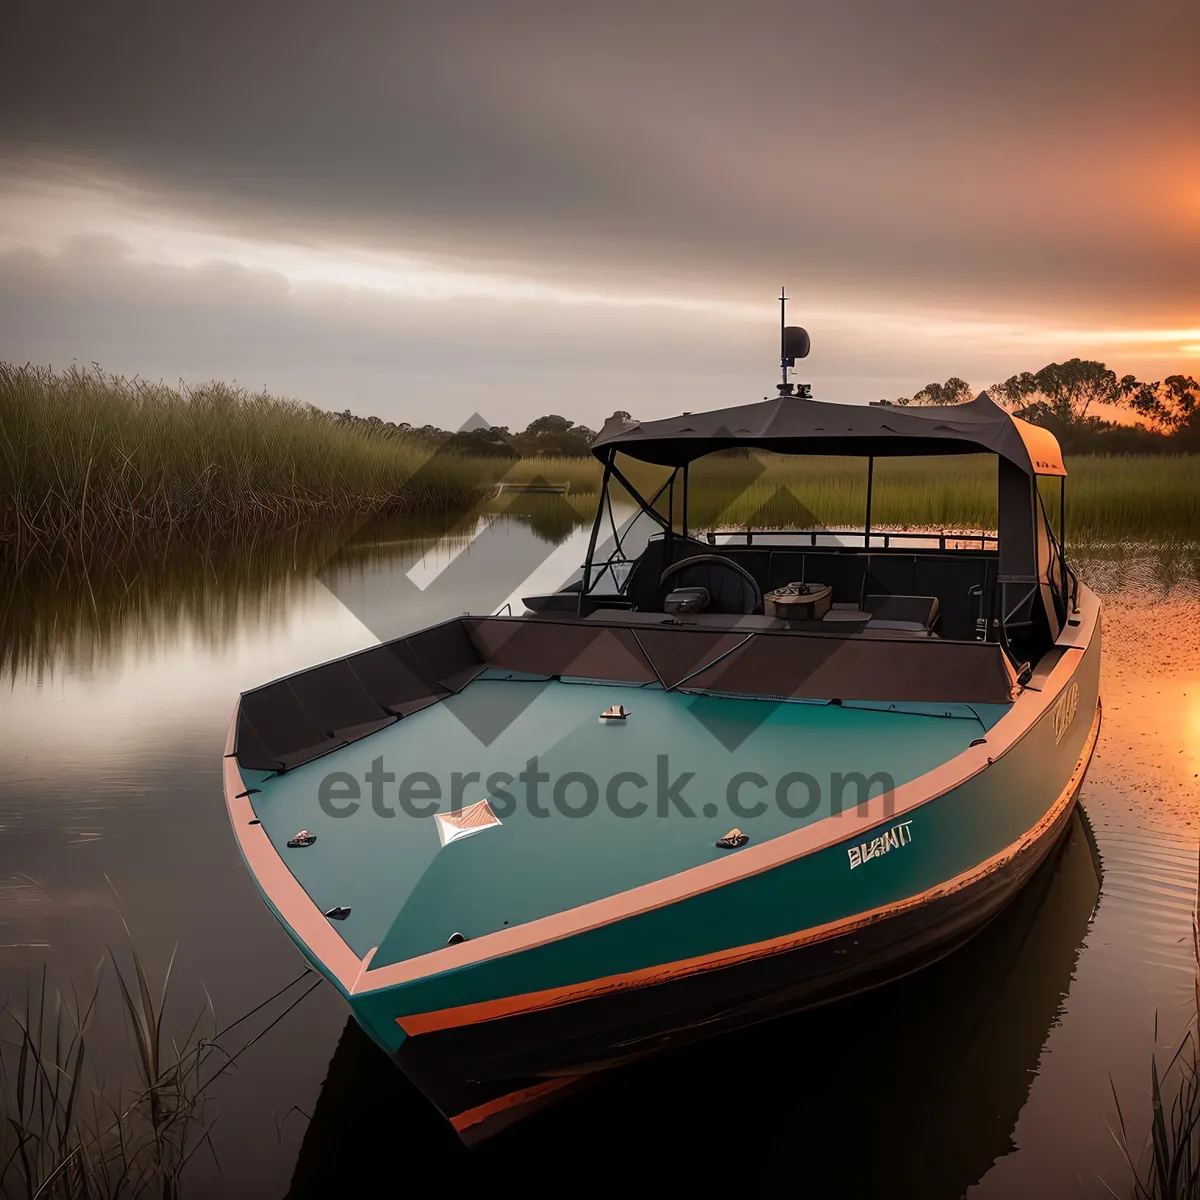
pixel 96 469
pixel 93 464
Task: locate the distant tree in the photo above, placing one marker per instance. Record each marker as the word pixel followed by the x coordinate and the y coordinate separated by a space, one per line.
pixel 546 436
pixel 953 391
pixel 1063 392
pixel 1169 406
pixel 430 434
pixel 1013 392
pixel 554 436
pixel 493 442
pixel 552 425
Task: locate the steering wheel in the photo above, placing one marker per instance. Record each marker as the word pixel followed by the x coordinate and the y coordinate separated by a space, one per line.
pixel 731 588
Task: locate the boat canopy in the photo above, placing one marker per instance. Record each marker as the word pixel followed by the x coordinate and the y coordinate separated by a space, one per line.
pixel 790 424
pixel 1032 583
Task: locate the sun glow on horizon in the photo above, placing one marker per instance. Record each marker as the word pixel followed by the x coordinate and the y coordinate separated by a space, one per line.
pixel 46 215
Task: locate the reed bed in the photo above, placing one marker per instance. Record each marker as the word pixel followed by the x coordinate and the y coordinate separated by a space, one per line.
pixel 91 462
pixel 96 467
pixel 1111 499
pixel 70 1134
pixel 1168 1166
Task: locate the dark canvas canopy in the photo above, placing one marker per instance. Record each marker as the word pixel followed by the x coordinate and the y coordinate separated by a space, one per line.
pixel 794 425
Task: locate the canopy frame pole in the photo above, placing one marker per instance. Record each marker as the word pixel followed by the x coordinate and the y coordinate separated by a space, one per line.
pixel 1062 516
pixel 1070 581
pixel 870 484
pixel 641 503
pixel 670 530
pixel 684 515
pixel 611 472
pixel 605 501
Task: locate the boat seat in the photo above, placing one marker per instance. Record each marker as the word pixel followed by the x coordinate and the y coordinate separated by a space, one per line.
pixel 900 611
pixel 848 617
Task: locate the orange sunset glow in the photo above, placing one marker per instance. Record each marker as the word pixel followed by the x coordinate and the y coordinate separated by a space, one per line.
pixel 613 202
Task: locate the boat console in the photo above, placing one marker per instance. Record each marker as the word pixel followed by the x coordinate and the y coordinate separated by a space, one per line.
pixel 924 591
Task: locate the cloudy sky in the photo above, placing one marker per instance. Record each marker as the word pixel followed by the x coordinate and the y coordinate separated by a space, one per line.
pixel 425 209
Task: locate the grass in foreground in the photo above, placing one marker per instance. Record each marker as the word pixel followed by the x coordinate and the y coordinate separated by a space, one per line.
pixel 66 1133
pixel 1168 1167
pixel 66 1136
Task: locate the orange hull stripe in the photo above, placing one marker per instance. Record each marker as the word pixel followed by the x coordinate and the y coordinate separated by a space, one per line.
pixel 516 1099
pixel 489 1010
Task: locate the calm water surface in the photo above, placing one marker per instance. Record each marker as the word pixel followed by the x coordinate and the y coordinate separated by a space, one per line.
pixel 988 1074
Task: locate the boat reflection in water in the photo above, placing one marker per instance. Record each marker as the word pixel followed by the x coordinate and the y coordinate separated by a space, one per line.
pixel 913 1089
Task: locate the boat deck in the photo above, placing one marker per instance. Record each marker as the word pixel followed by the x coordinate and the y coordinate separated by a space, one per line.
pixel 408 893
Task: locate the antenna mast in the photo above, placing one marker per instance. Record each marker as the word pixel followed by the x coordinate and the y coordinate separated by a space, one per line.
pixel 783 362
pixel 793 344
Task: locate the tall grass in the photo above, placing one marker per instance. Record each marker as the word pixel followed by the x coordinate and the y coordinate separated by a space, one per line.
pixel 1110 498
pixel 90 461
pixel 96 467
pixel 1119 497
pixel 1168 1167
pixel 67 1133
pixel 69 1137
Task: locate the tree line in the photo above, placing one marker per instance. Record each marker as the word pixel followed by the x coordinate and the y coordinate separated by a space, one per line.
pixel 1068 398
pixel 550 436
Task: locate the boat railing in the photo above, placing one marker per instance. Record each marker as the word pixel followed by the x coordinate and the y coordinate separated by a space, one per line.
pixel 883 539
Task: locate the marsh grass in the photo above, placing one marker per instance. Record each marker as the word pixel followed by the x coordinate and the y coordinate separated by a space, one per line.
pixel 99 470
pixel 1110 498
pixel 67 1133
pixel 1168 1166
pixel 91 463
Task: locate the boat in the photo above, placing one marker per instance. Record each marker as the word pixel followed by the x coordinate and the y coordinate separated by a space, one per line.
pixel 713 780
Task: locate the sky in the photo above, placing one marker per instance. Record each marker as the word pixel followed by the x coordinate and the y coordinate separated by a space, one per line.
pixel 424 210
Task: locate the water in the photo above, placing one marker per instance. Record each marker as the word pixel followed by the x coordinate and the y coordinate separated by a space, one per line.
pixel 988 1074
